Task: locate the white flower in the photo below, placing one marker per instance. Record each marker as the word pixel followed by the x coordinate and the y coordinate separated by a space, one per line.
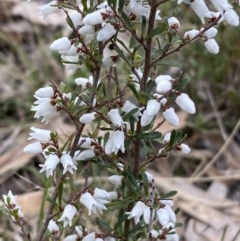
pixel 113 195
pixel 146 119
pixel 89 237
pixel 210 33
pixel 164 83
pixel 61 44
pixel 72 62
pixel 90 202
pixel 115 179
pixel 179 1
pixel 171 117
pixel 221 5
pixel 185 103
pixel 157 16
pixel 49 165
pixel 67 163
pixel 85 142
pixel 138 210
pixel 162 101
pixel 72 237
pixel 79 231
pixel 45 92
pixel 10 200
pixel 137 8
pixel 102 5
pixel 163 77
pixel 173 23
pixel 109 61
pixel 106 32
pixel 85 155
pixel 115 118
pixel 87 30
pixel 97 17
pixel 53 228
pixel 73 51
pixel 40 135
pixel 99 239
pixel 201 9
pixel 68 215
pixel 100 193
pixel 167 137
pixel 115 142
pixel 76 19
pixel 153 107
pixel 88 118
pixel 212 46
pixel 49 9
pixel 183 148
pixel 231 17
pixel 128 106
pixel 45 108
pixel 189 35
pixel 154 233
pixel 163 216
pixel 84 82
pixel 34 148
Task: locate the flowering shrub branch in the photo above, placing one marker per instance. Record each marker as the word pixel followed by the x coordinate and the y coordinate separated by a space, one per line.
pixel 125 146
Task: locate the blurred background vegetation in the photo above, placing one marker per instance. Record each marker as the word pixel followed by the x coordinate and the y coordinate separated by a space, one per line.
pixel 26 64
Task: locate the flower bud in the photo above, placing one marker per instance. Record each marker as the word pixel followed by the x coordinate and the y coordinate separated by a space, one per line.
pixel 88 118
pixel 153 107
pixel 171 117
pixel 212 46
pixel 61 44
pixel 106 32
pixel 185 103
pixel 231 17
pixel 173 23
pixel 189 35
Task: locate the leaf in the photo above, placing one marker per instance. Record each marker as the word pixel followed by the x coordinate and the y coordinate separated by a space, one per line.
pixel 151 135
pixel 121 4
pixel 170 63
pixel 169 194
pixel 144 24
pixel 132 42
pixel 60 194
pixel 133 89
pixel 102 224
pixel 145 183
pixel 127 20
pixel 182 82
pixel 131 121
pixel 150 85
pixel 172 138
pixel 49 199
pixel 178 225
pixel 157 31
pixel 130 113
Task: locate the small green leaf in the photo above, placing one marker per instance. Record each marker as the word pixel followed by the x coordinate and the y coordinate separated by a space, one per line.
pixel 127 20
pixel 130 113
pixel 102 224
pixel 145 183
pixel 157 31
pixel 60 194
pixel 169 194
pixel 151 135
pixel 182 82
pixel 172 138
pixel 178 225
pixel 150 85
pixel 49 199
pixel 169 63
pixel 133 89
pixel 132 42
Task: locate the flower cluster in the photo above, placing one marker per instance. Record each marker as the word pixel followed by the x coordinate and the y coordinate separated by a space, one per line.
pixel 10 202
